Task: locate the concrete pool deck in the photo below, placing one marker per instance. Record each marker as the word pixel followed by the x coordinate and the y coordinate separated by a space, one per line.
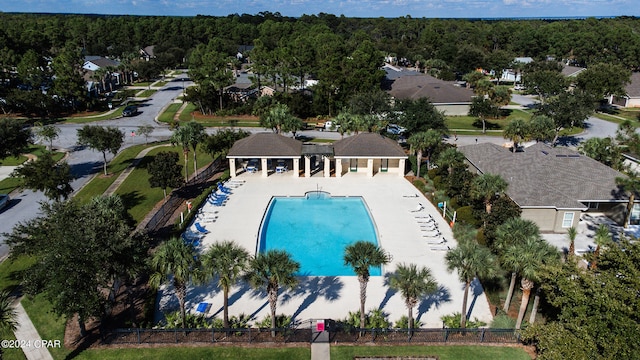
pixel 399 232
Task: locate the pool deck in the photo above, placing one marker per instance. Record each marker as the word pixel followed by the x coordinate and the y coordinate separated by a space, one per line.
pixel 399 232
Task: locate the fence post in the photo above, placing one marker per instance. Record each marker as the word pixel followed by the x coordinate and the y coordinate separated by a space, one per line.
pixel 175 335
pixel 482 335
pixel 139 339
pixel 213 335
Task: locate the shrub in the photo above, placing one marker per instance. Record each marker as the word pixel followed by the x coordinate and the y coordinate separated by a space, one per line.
pixel 282 321
pixel 403 323
pixel 437 182
pixel 235 322
pixel 453 321
pixel 503 321
pixel 465 215
pixel 374 319
pixel 193 321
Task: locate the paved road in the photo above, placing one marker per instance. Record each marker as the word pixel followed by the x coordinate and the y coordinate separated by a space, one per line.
pixel 85 163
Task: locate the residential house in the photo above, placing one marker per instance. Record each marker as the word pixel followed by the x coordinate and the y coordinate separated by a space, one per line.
pixel 553 186
pixel 632 98
pixel 147 53
pixel 108 79
pixel 445 95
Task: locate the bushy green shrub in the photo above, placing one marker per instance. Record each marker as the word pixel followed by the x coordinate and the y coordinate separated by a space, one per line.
pixel 464 214
pixel 437 182
pixel 235 322
pixel 374 319
pixel 503 321
pixel 432 173
pixel 453 321
pixel 403 323
pixel 282 321
pixel 193 321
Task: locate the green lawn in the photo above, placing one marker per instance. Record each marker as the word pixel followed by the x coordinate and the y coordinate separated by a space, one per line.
pixel 138 196
pixel 146 93
pixel 99 184
pixel 168 114
pixel 337 352
pixel 442 352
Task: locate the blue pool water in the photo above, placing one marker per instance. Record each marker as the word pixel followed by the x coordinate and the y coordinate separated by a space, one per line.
pixel 316 231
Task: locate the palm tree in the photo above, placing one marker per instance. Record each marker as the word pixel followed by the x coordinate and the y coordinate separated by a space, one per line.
pixel 182 136
pixel 487 187
pixel 8 314
pixel 572 233
pixel 530 255
pixel 227 261
pixel 511 233
pixel 177 259
pixel 196 135
pixel 450 158
pixel 424 142
pixel 413 283
pixel 270 271
pixel 362 255
pixel 516 131
pixel 602 238
pixel 630 184
pixel 471 260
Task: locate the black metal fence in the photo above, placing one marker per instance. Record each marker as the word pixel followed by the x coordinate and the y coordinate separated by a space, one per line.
pixel 176 198
pixel 305 335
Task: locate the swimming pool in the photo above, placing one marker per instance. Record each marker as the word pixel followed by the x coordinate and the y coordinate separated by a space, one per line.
pixel 315 230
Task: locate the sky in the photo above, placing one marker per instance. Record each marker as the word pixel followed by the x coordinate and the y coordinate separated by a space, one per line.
pixel 348 8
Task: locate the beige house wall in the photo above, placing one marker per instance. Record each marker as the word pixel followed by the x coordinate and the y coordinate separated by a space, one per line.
pixel 453 110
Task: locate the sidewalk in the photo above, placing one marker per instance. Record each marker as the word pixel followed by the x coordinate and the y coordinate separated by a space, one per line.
pixel 123 176
pixel 26 332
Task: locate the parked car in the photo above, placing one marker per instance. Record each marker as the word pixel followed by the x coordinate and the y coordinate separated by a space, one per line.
pixel 130 110
pixel 4 200
pixel 395 129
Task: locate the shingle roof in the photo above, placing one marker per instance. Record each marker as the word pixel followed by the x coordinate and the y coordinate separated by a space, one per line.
pixel 425 86
pixel 104 62
pixel 266 145
pixel 633 88
pixel 569 71
pixel 368 145
pixel 542 176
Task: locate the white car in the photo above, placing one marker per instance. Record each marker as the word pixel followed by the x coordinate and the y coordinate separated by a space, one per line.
pixel 4 200
pixel 395 129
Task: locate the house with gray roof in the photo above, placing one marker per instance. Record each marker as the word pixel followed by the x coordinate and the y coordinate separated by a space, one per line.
pixel 268 153
pixel 445 95
pixel 552 186
pixel 632 97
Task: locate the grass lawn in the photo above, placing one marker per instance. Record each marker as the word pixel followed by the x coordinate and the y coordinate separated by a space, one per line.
pixel 618 116
pixel 146 93
pixel 168 114
pixel 138 196
pixel 50 326
pixel 442 352
pixel 217 121
pixel 99 184
pixel 337 352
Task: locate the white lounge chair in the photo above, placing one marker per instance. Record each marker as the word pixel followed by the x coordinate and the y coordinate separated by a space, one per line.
pixel 440 247
pixel 420 207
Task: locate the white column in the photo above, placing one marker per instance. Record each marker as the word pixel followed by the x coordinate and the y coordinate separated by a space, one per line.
pixel 232 167
pixel 370 167
pixel 296 167
pixel 307 166
pixel 327 166
pixel 265 170
pixel 338 168
pixel 401 167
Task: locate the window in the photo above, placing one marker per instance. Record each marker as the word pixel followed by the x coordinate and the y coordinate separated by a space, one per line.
pixel 634 219
pixel 567 220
